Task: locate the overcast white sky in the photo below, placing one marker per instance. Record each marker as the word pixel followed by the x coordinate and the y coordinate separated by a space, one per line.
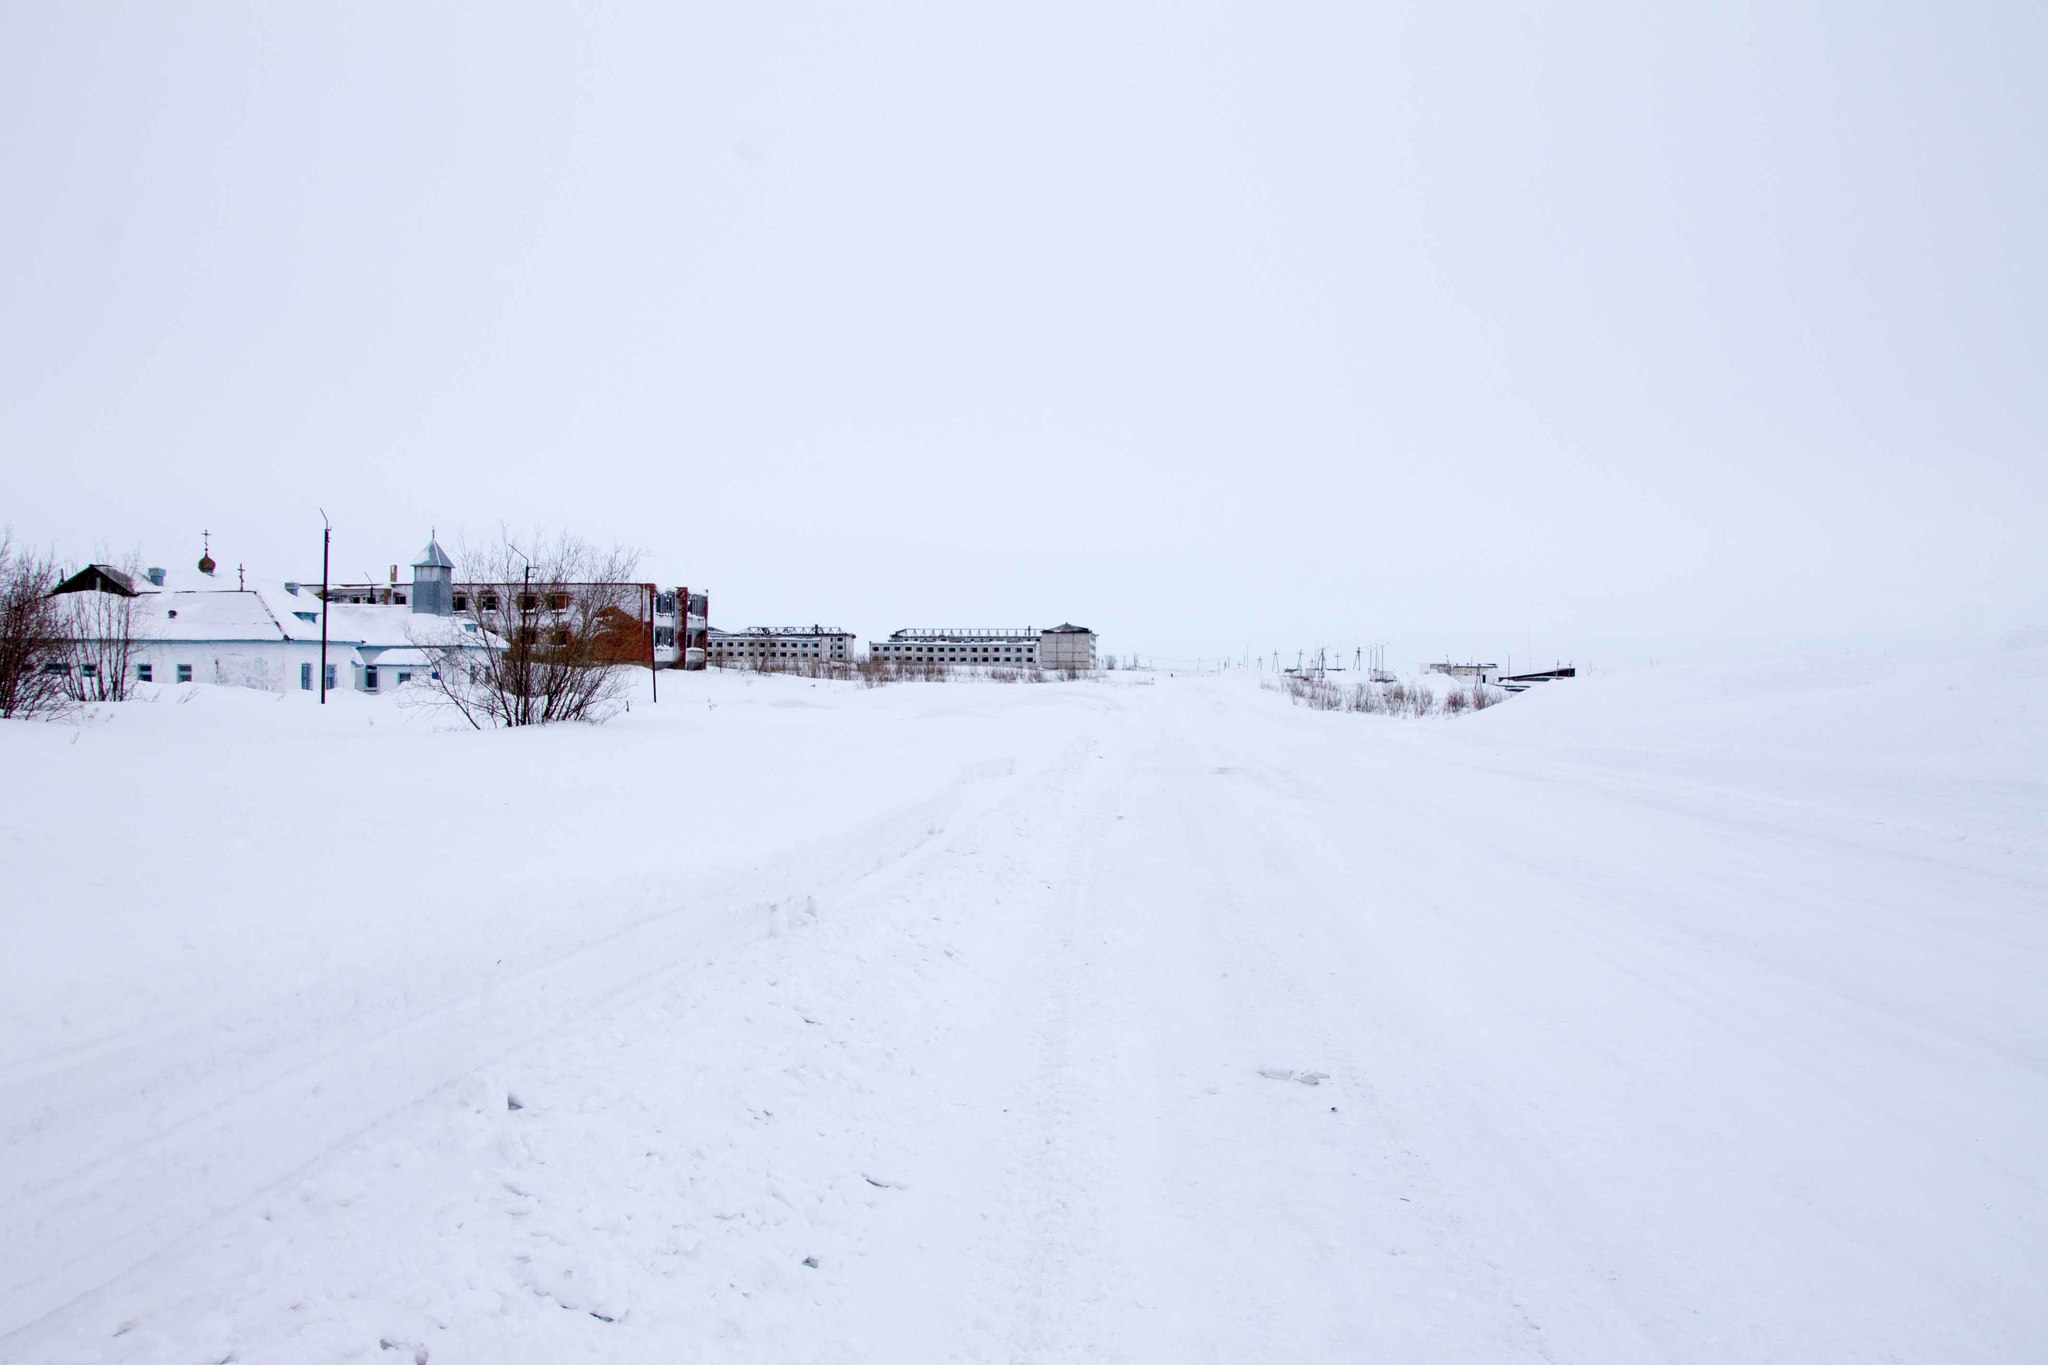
pixel 1213 326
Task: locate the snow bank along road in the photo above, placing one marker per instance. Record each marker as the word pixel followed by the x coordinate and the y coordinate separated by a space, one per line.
pixel 1675 1017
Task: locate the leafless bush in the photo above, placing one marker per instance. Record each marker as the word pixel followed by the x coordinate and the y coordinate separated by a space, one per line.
pixel 872 672
pixel 33 648
pixel 823 670
pixel 103 632
pixel 540 637
pixel 1382 699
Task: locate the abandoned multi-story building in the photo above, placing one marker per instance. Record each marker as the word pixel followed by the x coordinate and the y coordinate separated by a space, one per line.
pixel 675 619
pixel 1062 647
pixel 779 646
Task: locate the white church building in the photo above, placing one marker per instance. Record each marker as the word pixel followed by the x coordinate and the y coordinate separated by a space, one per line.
pixel 203 625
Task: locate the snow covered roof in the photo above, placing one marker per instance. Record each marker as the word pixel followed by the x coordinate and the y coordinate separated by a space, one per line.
pixel 190 605
pixel 433 557
pixel 207 616
pixel 405 656
pixel 273 612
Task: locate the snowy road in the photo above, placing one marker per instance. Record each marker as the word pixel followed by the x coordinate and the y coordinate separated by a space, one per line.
pixel 1169 1023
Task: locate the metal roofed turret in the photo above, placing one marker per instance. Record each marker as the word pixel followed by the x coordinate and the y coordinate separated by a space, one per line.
pixel 433 585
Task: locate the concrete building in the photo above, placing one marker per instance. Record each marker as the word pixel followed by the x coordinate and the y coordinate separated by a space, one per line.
pixel 779 646
pixel 1067 647
pixel 1062 647
pixel 674 621
pixel 1477 672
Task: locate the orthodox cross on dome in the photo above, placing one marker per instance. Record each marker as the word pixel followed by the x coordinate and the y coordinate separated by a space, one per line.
pixel 206 553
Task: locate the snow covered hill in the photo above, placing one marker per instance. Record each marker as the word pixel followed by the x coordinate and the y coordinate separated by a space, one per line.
pixel 1683 1015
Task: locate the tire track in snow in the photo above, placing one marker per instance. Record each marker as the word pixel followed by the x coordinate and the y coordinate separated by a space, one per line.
pixel 214 1154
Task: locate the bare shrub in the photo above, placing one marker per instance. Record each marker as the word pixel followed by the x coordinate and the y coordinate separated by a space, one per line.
pixel 1394 698
pixel 103 631
pixel 34 649
pixel 543 637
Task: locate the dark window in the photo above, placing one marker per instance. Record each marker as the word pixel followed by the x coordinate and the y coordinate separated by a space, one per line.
pixel 528 601
pixel 305 677
pixel 330 677
pixel 558 602
pixel 143 672
pixel 490 601
pixel 462 601
pixel 370 679
pixel 184 673
pixel 89 670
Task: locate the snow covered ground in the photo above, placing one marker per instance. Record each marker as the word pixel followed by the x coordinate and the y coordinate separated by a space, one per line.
pixel 1687 1015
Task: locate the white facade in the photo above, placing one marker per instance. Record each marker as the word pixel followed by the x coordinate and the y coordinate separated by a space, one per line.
pixel 1068 648
pixel 960 647
pixel 200 627
pixel 779 647
pixel 1062 647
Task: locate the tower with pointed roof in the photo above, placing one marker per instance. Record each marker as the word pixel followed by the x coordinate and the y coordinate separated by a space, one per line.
pixel 433 581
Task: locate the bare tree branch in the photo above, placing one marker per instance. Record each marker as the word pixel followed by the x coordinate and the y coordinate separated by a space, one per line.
pixel 557 630
pixel 34 651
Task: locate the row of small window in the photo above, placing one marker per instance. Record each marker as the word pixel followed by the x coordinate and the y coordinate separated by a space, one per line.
pixel 372 677
pixel 147 673
pixel 528 601
pixel 143 672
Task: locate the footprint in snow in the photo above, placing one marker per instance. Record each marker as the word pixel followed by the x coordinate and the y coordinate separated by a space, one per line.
pixel 1303 1077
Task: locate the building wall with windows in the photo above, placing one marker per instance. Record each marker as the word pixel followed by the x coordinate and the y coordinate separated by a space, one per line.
pixel 960 647
pixel 262 634
pixel 779 647
pixel 676 617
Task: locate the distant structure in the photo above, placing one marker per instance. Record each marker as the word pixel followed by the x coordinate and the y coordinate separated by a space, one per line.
pixel 265 634
pixel 674 619
pixel 1065 646
pixel 1512 682
pixel 779 646
pixel 1522 682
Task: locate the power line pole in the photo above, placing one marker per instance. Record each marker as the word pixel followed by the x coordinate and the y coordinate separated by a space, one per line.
pixel 326 542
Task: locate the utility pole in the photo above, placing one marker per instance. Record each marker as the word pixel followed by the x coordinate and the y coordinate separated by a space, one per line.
pixel 524 643
pixel 653 683
pixel 326 541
